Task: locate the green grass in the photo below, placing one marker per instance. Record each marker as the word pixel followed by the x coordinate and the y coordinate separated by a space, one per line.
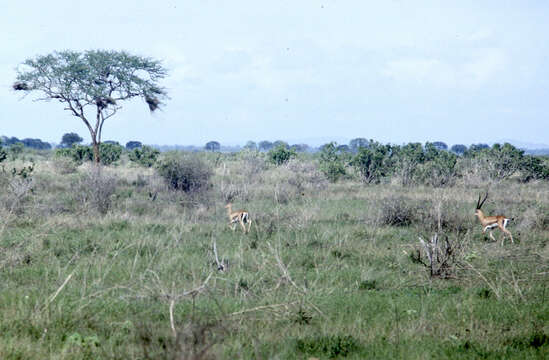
pixel 319 275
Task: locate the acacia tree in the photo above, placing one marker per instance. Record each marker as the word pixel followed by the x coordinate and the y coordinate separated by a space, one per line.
pixel 92 84
pixel 68 139
pixel 212 146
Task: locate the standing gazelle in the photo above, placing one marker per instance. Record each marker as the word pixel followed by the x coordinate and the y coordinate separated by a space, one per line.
pixel 239 216
pixel 490 222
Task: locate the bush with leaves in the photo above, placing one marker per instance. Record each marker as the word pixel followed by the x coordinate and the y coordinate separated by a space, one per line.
pixel 3 154
pixel 16 149
pixel 372 162
pixel 504 161
pixel 533 168
pixel 281 154
pixel 407 159
pixel 78 153
pixel 144 155
pixel 332 162
pixel 184 172
pixel 109 153
pixel 439 167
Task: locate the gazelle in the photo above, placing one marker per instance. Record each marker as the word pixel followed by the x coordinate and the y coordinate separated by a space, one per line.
pixel 239 216
pixel 491 222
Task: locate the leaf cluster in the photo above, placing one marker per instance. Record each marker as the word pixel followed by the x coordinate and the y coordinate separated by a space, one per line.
pixel 109 153
pixel 144 155
pixel 281 154
pixel 100 78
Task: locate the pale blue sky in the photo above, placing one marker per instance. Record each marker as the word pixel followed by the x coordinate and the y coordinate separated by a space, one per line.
pixel 395 71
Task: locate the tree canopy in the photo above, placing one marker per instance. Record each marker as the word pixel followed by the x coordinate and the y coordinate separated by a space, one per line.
pixel 93 83
pixel 212 146
pixel 68 139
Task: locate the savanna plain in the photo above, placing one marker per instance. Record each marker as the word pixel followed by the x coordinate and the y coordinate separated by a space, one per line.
pixel 115 262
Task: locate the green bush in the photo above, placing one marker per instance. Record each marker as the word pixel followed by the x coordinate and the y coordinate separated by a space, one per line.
pixel 108 153
pixel 144 155
pixel 407 159
pixel 183 172
pixel 533 168
pixel 78 153
pixel 3 154
pixel 439 167
pixel 16 149
pixel 372 162
pixel 332 162
pixel 281 155
pixel 504 161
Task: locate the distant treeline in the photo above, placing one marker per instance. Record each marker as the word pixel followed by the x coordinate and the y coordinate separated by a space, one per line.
pixel 30 143
pixel 71 138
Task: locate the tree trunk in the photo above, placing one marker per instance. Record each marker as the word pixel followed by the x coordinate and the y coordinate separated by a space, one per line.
pixel 96 158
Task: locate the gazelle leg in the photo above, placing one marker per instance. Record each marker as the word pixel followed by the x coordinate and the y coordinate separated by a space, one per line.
pixel 249 224
pixel 492 236
pixel 243 226
pixel 509 233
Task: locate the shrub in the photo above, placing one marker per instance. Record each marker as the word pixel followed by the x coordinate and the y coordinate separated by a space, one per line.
pixel 96 189
pixel 371 162
pixel 331 162
pixel 17 186
pixel 145 156
pixel 64 165
pixel 108 153
pixel 397 211
pixel 184 172
pixel 533 168
pixel 3 153
pixel 281 155
pixel 439 167
pixel 407 160
pixel 78 153
pixel 16 149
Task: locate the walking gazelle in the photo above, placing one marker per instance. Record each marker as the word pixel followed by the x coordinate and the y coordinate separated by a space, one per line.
pixel 491 222
pixel 239 216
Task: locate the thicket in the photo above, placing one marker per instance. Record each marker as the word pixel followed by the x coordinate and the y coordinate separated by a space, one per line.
pixel 144 155
pixel 332 162
pixel 109 153
pixel 281 154
pixel 184 172
pixel 429 164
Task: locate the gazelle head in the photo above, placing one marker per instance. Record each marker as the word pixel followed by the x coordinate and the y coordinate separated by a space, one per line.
pixel 479 212
pixel 228 206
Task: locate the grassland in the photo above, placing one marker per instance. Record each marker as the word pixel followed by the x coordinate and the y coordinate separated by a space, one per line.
pixel 323 273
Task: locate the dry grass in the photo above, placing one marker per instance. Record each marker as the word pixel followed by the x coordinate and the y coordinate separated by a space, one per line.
pixel 323 271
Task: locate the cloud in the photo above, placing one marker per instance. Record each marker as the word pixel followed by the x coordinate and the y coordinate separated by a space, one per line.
pixel 475 70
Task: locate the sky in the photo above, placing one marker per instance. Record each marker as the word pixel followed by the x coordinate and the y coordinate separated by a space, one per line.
pixel 299 71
